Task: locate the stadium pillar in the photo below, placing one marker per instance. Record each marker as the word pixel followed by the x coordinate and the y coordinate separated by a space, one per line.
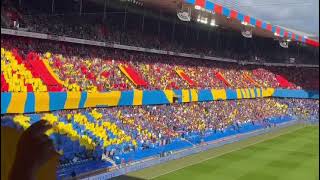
pixel 142 24
pixel 52 7
pixel 159 23
pixel 218 40
pixel 125 17
pixel 198 32
pixel 173 30
pixel 104 9
pixel 245 43
pixel 80 10
pixel 159 26
pixel 185 31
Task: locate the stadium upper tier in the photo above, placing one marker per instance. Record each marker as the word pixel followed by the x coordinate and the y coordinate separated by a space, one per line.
pixel 165 34
pixel 94 130
pixel 42 66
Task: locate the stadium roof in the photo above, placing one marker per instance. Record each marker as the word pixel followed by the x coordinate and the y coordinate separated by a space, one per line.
pixel 300 15
pixel 227 17
pixel 298 32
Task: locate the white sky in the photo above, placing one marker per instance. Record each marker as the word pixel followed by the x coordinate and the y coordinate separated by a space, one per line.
pixel 301 15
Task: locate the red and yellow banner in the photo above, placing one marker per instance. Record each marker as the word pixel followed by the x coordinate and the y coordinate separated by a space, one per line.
pixel 185 77
pixel 39 68
pixel 131 74
pixel 249 78
pixel 222 78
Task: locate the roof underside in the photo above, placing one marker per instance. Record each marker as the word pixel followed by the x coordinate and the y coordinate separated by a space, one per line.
pixel 221 19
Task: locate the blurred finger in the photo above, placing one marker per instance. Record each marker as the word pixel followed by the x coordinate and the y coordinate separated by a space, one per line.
pixel 50 148
pixel 34 127
pixel 49 152
pixel 42 138
pixel 39 127
pixel 47 145
pixel 37 124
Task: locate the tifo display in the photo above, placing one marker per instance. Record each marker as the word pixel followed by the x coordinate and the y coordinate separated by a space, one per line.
pixel 126 90
pixel 100 69
pixel 91 139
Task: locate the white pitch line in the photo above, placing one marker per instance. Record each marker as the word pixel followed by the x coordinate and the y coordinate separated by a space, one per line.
pixel 168 172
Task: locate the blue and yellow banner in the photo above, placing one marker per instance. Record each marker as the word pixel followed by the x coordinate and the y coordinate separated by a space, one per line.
pixel 28 102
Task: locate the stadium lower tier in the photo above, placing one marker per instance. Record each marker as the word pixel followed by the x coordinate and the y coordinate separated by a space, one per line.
pixel 91 139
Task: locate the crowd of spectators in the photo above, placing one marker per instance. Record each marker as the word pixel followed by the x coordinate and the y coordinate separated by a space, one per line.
pixel 169 121
pixel 303 108
pixel 93 68
pixel 118 130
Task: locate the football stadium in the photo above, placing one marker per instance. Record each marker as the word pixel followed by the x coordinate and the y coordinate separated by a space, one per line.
pixel 156 89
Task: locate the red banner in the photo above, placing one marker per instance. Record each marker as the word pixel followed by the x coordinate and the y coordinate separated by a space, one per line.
pixel 132 75
pixel 220 76
pixel 185 77
pixel 284 83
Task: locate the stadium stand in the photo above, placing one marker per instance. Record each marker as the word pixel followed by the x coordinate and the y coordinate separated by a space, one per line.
pixel 132 133
pixel 98 137
pixel 69 67
pixel 228 43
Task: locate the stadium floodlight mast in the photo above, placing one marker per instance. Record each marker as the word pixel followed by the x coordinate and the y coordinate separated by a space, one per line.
pixel 213 23
pixel 205 16
pixel 197 7
pixel 246 30
pixel 284 43
pixel 202 19
pixel 136 2
pixel 184 13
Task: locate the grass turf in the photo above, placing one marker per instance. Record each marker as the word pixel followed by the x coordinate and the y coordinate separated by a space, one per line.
pixel 288 154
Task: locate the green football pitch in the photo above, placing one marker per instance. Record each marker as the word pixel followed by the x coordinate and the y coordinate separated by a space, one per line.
pixel 290 153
